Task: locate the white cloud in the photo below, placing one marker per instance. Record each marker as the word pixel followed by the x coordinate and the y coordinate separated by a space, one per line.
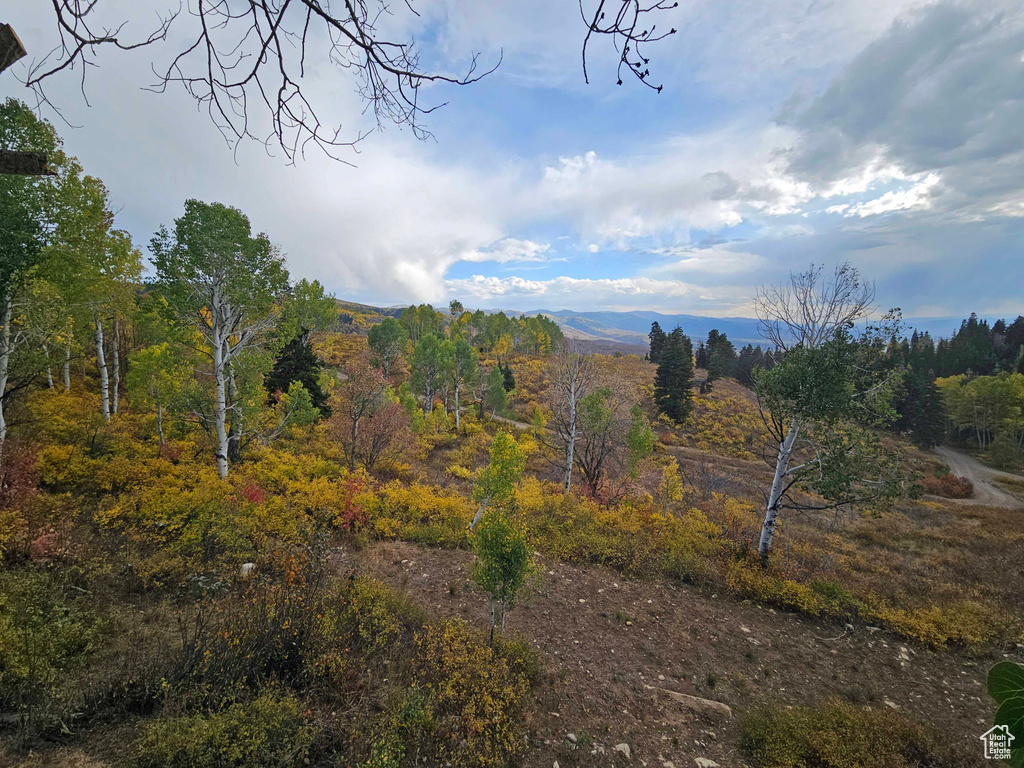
pixel 509 249
pixel 716 260
pixel 917 196
pixel 489 288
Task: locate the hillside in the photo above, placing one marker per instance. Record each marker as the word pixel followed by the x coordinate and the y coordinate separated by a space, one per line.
pixel 630 329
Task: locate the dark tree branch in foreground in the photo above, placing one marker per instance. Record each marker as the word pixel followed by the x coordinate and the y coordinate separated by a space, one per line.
pixel 242 57
pixel 248 55
pixel 626 22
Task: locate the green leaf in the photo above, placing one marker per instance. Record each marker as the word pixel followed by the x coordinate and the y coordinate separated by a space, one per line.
pixel 1017 757
pixel 1006 681
pixel 1011 714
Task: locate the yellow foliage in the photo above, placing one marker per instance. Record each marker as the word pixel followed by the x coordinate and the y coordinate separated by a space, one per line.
pixel 475 694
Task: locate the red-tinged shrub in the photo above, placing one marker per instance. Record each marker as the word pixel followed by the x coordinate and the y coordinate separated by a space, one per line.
pixel 251 493
pixel 949 486
pixel 352 516
pixel 18 475
pixel 46 546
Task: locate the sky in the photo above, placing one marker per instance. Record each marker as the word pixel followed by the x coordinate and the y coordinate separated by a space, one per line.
pixel 886 133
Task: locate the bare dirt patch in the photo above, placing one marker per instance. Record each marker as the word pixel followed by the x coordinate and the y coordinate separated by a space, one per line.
pixel 609 643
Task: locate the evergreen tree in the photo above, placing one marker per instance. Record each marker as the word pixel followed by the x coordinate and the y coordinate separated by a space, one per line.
pixel 298 362
pixel 750 358
pixel 929 427
pixel 508 380
pixel 701 356
pixel 673 381
pixel 721 354
pixel 657 337
pixel 970 349
pixel 1013 343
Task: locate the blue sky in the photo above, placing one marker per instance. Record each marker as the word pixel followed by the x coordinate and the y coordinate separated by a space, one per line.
pixel 883 133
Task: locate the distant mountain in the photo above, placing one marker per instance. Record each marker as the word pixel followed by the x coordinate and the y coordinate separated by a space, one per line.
pixel 633 327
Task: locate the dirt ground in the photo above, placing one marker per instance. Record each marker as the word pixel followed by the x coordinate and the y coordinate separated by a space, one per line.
pixel 609 644
pixel 980 476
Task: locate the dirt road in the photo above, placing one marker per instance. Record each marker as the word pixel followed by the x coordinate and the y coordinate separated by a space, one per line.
pixel 984 491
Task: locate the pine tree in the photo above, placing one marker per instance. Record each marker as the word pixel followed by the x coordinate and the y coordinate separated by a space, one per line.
pixel 721 354
pixel 930 424
pixel 701 356
pixel 298 362
pixel 673 381
pixel 508 380
pixel 657 337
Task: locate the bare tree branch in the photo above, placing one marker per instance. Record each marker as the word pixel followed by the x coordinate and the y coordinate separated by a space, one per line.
pixel 808 310
pixel 249 56
pixel 243 58
pixel 625 22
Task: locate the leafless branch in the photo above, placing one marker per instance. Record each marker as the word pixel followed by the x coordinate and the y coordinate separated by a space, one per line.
pixel 245 55
pixel 809 309
pixel 625 21
pixel 243 58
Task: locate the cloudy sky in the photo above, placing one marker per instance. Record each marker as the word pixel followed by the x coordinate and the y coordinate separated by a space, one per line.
pixel 884 132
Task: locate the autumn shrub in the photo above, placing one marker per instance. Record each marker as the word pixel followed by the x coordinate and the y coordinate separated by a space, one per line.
pixel 840 735
pixel 419 513
pixel 948 486
pixel 726 423
pixel 747 579
pixel 966 624
pixel 47 633
pixel 403 727
pixel 269 731
pixel 633 538
pixel 476 695
pixel 372 616
pixel 18 491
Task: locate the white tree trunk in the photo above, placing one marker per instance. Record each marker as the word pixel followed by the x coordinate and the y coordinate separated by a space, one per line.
pixel 67 367
pixel 778 485
pixel 101 365
pixel 115 354
pixel 49 371
pixel 6 311
pixel 221 407
pixel 570 443
pixel 456 406
pixel 160 422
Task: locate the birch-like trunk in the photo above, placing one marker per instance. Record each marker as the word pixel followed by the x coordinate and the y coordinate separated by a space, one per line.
pixel 160 422
pixel 570 443
pixel 6 311
pixel 115 354
pixel 49 371
pixel 220 409
pixel 66 367
pixel 490 634
pixel 101 365
pixel 771 515
pixel 234 431
pixel 456 407
pixel 352 453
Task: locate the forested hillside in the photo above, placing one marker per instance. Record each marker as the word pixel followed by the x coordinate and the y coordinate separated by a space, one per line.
pixel 245 524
